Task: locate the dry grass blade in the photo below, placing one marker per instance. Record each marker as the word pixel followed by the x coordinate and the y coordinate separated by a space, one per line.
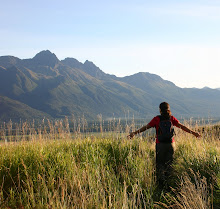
pixel 192 194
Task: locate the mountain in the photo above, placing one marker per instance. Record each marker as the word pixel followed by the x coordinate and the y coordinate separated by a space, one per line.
pixel 46 86
pixel 14 110
pixel 45 58
pixel 184 101
pixel 88 67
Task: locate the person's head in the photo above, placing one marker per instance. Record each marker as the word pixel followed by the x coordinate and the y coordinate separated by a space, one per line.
pixel 165 109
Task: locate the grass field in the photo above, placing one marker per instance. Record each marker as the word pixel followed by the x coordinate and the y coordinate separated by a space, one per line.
pixel 58 169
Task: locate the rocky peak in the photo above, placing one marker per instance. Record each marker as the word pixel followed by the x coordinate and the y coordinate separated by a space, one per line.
pixel 46 58
pixel 9 61
pixel 72 62
pixel 92 69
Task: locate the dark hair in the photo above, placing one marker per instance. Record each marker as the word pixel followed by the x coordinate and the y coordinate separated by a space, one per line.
pixel 165 109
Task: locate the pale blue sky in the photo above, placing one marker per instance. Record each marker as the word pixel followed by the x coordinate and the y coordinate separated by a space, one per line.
pixel 177 40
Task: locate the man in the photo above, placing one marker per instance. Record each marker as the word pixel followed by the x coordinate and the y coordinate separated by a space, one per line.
pixel 164 140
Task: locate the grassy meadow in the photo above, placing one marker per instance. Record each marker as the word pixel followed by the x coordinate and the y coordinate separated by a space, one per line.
pixel 51 167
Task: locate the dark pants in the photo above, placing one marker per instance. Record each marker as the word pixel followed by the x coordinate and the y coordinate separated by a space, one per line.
pixel 164 160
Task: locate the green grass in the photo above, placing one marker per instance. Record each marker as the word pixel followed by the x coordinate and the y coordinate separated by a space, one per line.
pixel 107 172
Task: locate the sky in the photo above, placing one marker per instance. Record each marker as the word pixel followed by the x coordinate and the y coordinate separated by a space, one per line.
pixel 177 40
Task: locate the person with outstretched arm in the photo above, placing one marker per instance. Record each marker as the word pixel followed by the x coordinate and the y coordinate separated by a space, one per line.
pixel 164 140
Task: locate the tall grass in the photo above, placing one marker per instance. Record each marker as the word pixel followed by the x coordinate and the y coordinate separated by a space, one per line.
pixel 50 167
pixel 80 174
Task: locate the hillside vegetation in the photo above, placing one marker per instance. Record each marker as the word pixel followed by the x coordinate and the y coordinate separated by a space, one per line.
pixel 53 168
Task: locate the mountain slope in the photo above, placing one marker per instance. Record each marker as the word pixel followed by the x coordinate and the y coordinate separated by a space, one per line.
pixel 13 82
pixel 184 101
pixel 60 88
pixel 14 110
pixel 88 67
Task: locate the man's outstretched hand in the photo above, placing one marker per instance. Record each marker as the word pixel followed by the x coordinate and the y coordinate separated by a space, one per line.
pixel 196 134
pixel 131 135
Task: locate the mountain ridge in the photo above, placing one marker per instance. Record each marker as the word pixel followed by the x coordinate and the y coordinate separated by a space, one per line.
pixel 68 87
